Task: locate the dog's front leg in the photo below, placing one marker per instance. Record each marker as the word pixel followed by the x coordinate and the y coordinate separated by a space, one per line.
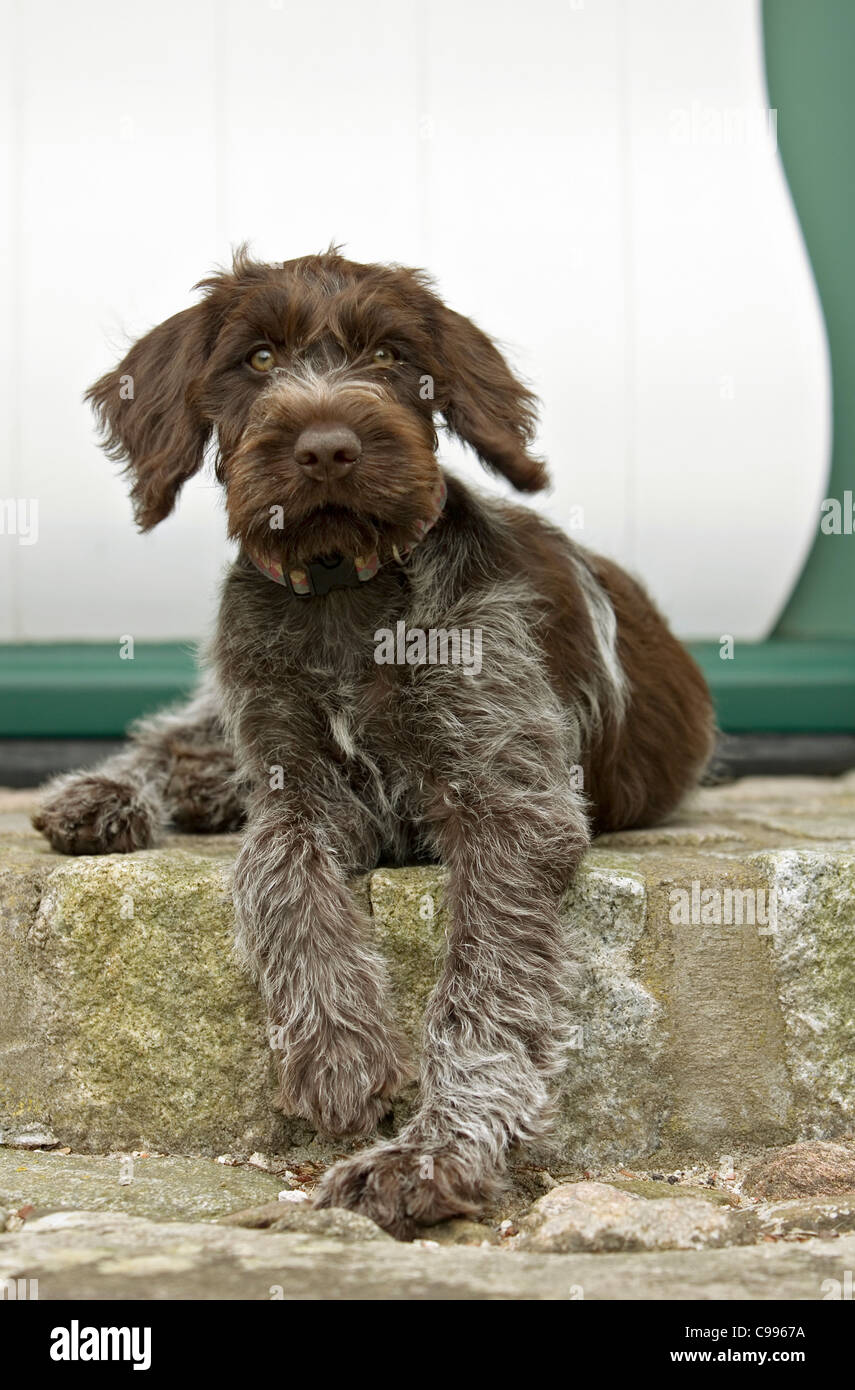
pixel 304 936
pixel 493 1032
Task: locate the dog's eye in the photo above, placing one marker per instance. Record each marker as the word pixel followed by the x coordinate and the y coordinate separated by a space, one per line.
pixel 385 357
pixel 262 360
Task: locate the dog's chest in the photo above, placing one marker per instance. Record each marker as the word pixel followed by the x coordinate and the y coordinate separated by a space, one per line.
pixel 360 709
pixel 366 718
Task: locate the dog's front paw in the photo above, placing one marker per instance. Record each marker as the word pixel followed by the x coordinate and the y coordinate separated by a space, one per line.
pixel 402 1188
pixel 95 815
pixel 347 1083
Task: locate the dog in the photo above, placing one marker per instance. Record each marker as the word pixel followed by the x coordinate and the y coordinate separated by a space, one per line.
pixel 323 382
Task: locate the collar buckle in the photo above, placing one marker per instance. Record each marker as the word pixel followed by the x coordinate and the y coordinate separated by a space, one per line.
pixel 321 575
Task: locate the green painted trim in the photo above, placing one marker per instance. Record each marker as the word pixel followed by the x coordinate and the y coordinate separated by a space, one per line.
pixel 85 689
pixel 80 690
pixel 781 687
pixel 810 57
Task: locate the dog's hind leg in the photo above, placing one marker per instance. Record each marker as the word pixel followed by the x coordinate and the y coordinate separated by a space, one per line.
pixel 177 768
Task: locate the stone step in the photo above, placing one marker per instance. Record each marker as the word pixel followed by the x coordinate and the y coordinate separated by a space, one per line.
pixel 148 1226
pixel 92 1255
pixel 715 1012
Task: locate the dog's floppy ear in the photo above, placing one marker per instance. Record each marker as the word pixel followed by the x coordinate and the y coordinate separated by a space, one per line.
pixel 147 415
pixel 485 405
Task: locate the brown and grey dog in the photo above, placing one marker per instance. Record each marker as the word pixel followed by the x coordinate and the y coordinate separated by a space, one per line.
pixel 321 381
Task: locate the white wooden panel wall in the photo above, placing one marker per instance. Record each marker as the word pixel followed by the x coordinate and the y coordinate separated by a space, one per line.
pixel 9 364
pixel 731 390
pixel 526 155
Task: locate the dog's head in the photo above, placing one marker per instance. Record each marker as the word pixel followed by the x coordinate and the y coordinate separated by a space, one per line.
pixel 320 379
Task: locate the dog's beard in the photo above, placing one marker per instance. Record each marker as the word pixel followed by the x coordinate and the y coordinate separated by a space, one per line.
pixel 278 515
pixel 332 529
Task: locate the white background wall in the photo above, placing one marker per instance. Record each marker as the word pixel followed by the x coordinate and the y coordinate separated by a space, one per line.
pixel 571 170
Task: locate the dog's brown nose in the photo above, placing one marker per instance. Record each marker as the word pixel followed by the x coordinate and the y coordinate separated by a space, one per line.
pixel 327 451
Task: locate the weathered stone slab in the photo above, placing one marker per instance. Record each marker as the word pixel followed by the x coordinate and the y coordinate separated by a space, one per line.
pixel 813 958
pixel 83 1255
pixel 162 1187
pixel 335 1222
pixel 810 1217
pixel 126 1023
pixel 811 1169
pixel 598 1217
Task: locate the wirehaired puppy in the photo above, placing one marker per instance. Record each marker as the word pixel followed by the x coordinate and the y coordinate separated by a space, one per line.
pixel 322 382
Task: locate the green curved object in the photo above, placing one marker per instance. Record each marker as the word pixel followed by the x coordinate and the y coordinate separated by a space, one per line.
pixel 810 56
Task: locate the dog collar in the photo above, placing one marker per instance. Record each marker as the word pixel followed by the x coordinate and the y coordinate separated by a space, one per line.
pixel 344 571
